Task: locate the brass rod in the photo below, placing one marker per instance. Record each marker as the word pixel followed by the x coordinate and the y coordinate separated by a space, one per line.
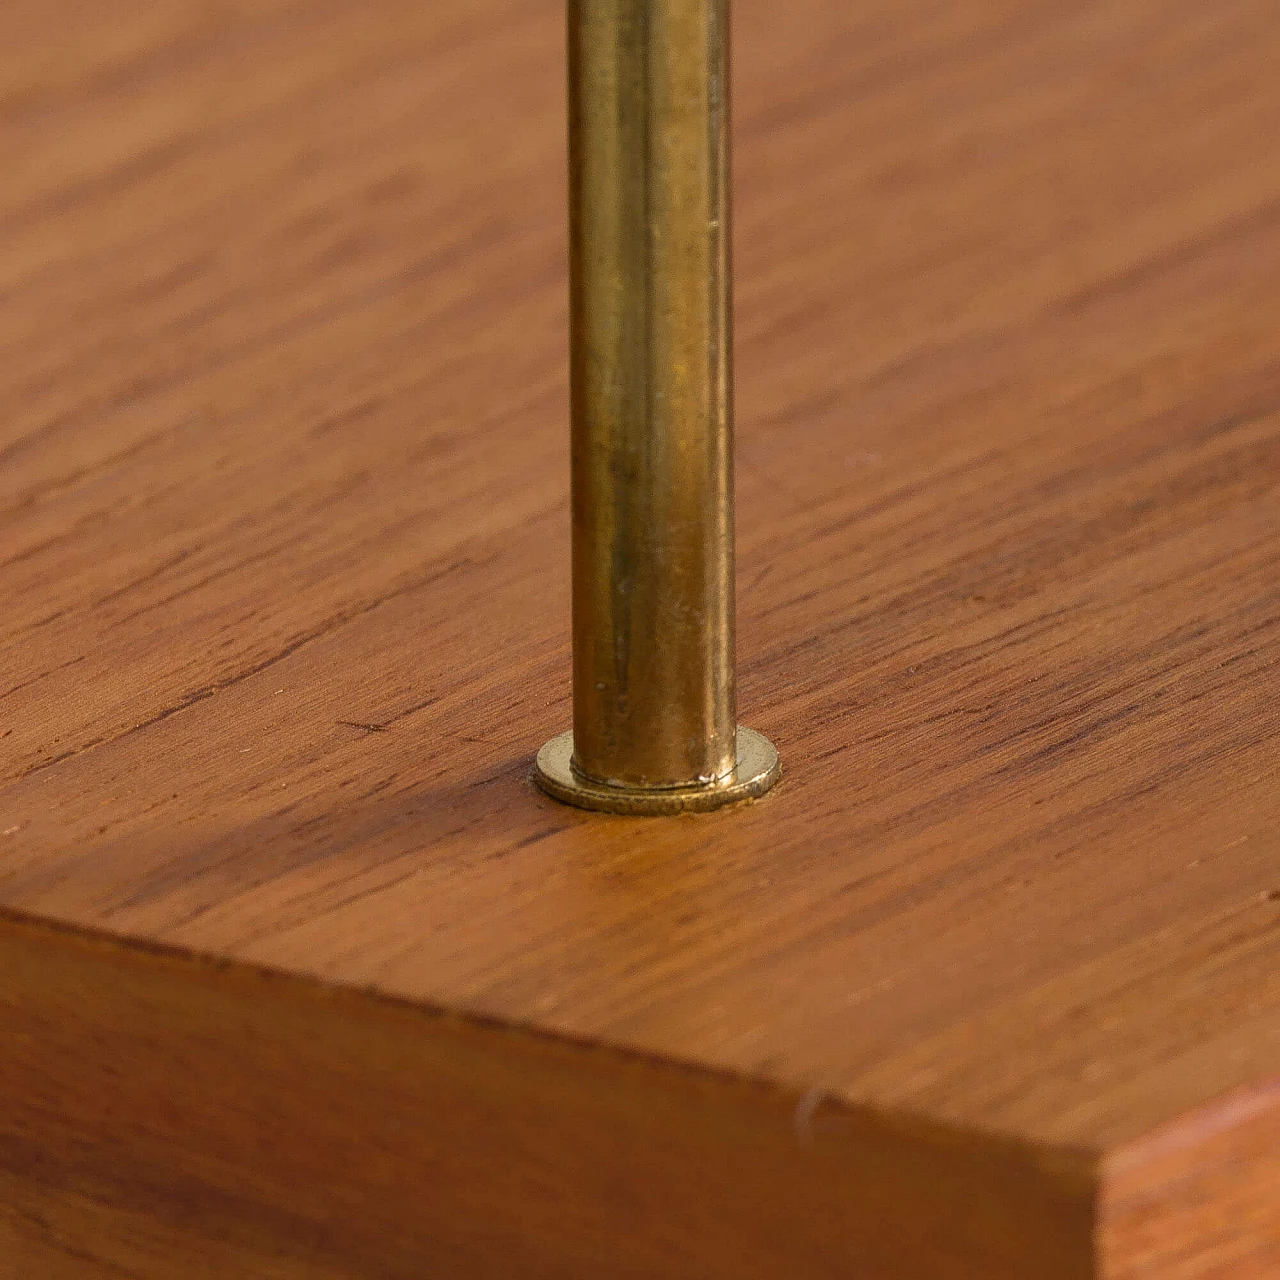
pixel 654 723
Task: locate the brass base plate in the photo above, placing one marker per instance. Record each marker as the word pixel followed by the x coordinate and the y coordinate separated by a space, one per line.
pixel 758 769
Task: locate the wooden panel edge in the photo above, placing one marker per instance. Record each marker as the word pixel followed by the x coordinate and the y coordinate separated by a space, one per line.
pixel 165 1115
pixel 1199 1199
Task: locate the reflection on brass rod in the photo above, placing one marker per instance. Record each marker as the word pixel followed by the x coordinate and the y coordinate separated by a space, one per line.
pixel 654 706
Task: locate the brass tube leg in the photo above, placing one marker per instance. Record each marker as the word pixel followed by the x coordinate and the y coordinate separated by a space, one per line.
pixel 654 723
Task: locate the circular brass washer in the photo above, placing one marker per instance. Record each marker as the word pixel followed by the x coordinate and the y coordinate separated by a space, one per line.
pixel 758 769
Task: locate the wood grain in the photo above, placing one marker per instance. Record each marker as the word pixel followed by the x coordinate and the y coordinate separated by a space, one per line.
pixel 1198 1198
pixel 436 1145
pixel 283 524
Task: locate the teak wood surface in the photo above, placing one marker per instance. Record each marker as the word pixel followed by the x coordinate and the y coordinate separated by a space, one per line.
pixel 298 975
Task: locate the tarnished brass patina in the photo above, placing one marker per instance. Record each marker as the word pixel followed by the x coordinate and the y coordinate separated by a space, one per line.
pixel 654 706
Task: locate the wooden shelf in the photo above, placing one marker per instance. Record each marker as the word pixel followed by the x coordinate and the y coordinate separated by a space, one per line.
pixel 299 976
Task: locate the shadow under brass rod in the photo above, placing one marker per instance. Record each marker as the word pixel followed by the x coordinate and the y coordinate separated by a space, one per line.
pixel 654 700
